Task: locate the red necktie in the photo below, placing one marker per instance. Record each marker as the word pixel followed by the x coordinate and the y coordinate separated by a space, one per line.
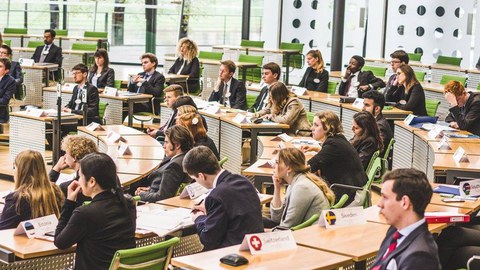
pixel 391 248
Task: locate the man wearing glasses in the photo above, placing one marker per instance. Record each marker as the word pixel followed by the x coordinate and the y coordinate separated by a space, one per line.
pixel 394 90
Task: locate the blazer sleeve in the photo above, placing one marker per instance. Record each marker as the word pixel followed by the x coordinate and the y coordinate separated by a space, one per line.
pixel 416 99
pixel 303 82
pixel 258 99
pixel 195 69
pixel 265 110
pixel 58 56
pixel 323 85
pixel 212 227
pixel 174 68
pixel 240 101
pixel 71 103
pixel 374 81
pixel 319 161
pixel 9 218
pixel 36 54
pixel 215 96
pixel 155 87
pixel 470 119
pixel 341 87
pixel 93 100
pixel 294 109
pixel 8 89
pixel 365 151
pixel 110 77
pixel 72 226
pixel 300 201
pixel 171 178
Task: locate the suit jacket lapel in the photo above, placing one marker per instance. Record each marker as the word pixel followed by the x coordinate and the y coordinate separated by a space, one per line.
pixel 405 243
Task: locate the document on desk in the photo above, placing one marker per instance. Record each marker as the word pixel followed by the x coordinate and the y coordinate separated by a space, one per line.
pixel 163 222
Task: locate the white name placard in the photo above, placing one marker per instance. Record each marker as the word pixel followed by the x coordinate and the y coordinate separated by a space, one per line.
pixel 262 243
pixel 114 137
pixel 110 91
pixel 123 149
pixel 470 188
pixel 37 227
pixel 69 86
pixel 285 137
pixel 358 103
pixel 193 191
pixel 299 91
pixel 94 126
pixel 213 109
pixel 460 156
pixel 26 62
pixel 444 145
pixel 349 216
pixel 408 119
pixel 240 119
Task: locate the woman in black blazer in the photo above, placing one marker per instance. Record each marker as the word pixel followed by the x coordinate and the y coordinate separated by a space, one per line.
pixel 187 64
pixel 103 226
pixel 336 161
pixel 100 74
pixel 366 139
pixel 34 196
pixel 316 76
pixel 414 96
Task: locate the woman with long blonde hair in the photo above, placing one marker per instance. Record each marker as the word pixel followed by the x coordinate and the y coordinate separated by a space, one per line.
pixel 187 64
pixel 284 107
pixel 34 196
pixel 316 76
pixel 306 194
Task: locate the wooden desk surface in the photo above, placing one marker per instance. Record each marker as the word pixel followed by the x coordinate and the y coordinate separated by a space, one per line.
pixel 187 203
pixel 470 148
pixel 120 129
pixel 136 166
pixel 255 168
pixel 469 206
pixel 122 95
pixel 45 66
pixel 140 152
pixel 45 118
pixel 359 242
pixel 273 125
pixel 26 248
pixel 255 49
pixel 128 179
pixel 446 162
pixel 300 258
pixel 135 140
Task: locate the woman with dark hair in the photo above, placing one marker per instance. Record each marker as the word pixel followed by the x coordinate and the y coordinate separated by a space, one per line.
pixel 100 74
pixel 413 99
pixel 103 226
pixel 306 195
pixel 366 139
pixel 193 121
pixel 336 160
pixel 316 76
pixel 284 107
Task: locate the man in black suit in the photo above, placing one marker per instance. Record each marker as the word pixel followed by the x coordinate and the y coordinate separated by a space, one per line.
pixel 49 53
pixel 394 91
pixel 408 243
pixel 172 93
pixel 16 69
pixel 231 210
pixel 149 81
pixel 373 102
pixel 355 81
pixel 270 75
pixel 464 108
pixel 229 91
pixel 78 100
pixel 166 180
pixel 7 88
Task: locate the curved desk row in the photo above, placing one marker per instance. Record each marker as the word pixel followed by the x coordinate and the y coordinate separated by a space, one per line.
pixel 19 40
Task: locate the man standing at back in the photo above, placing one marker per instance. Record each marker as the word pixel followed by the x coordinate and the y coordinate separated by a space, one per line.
pixel 408 244
pixel 270 75
pixel 231 210
pixel 394 90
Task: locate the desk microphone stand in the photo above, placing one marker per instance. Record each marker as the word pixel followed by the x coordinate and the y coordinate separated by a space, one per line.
pixel 58 125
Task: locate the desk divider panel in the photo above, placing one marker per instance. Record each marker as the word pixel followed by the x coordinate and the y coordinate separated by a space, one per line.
pixel 231 147
pixel 438 73
pixel 347 119
pixel 403 149
pixel 114 112
pixel 29 134
pixel 33 81
pixel 430 171
pixel 420 154
pixel 317 106
pixel 213 132
pixel 210 75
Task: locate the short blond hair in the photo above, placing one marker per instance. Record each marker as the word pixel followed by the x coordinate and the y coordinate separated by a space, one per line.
pixel 78 146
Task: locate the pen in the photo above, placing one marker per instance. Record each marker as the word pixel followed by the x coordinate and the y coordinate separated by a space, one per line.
pixel 197 204
pixel 200 202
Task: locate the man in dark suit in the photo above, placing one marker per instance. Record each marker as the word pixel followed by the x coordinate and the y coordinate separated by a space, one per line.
pixel 172 92
pixel 231 210
pixel 355 81
pixel 394 91
pixel 76 103
pixel 149 81
pixel 270 75
pixel 7 88
pixel 49 53
pixel 166 180
pixel 408 243
pixel 229 91
pixel 464 108
pixel 16 69
pixel 373 102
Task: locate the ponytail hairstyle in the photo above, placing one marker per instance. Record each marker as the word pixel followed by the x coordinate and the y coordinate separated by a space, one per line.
pixel 317 55
pixel 295 159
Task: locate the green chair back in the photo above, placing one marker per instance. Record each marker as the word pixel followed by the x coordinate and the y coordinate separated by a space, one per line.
pixel 252 43
pixel 7 42
pixel 420 75
pixel 296 60
pixel 210 55
pixel 35 43
pixel 95 34
pixel 377 71
pixel 341 202
pixel 61 32
pixel 447 78
pixel 155 256
pixel 307 223
pixel 374 169
pixel 372 160
pixel 415 56
pixel 84 47
pixel 222 161
pixel 102 106
pixel 432 106
pixel 253 74
pixel 251 100
pixel 310 116
pixel 385 161
pixel 117 84
pixel 9 30
pixel 332 87
pixel 449 60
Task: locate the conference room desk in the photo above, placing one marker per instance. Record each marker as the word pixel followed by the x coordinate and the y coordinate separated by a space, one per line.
pixel 114 111
pixel 188 203
pixel 19 40
pixel 231 52
pixel 28 132
pixel 35 78
pixel 300 258
pixel 359 242
pixel 467 207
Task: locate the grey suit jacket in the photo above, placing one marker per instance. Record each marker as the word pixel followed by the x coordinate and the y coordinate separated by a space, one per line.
pixel 293 114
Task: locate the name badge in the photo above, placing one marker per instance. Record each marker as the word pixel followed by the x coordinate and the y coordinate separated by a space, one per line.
pixel 263 243
pixel 316 80
pixel 46 52
pixel 342 217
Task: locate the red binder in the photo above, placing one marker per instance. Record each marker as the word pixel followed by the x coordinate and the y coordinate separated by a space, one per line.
pixel 445 217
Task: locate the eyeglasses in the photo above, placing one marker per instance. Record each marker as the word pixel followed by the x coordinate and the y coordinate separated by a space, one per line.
pixel 395 62
pixel 76 72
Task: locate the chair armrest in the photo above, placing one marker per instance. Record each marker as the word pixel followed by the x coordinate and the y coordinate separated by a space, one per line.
pixel 345 187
